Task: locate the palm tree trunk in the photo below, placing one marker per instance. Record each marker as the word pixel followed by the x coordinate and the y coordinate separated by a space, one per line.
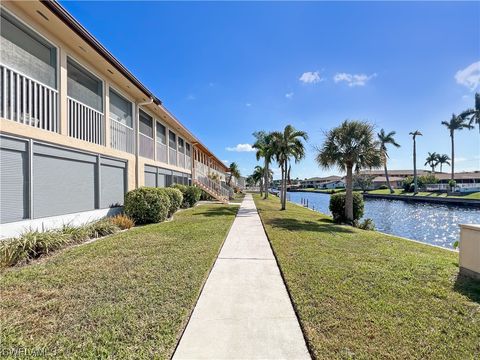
pixel 284 188
pixel 282 184
pixel 441 167
pixel 266 178
pixel 453 155
pixel 261 188
pixel 349 194
pixel 414 167
pixel 387 178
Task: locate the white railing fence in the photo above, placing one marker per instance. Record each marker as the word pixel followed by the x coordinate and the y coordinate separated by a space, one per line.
pixel 188 162
pixel 161 152
pixel 458 187
pixel 213 185
pixel 122 137
pixel 27 101
pixel 181 160
pixel 146 146
pixel 85 123
pixel 172 156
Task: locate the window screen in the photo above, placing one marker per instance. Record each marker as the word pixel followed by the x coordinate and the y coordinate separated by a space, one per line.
pixel 83 86
pixel 146 124
pixel 188 151
pixel 181 145
pixel 172 140
pixel 161 134
pixel 25 51
pixel 120 109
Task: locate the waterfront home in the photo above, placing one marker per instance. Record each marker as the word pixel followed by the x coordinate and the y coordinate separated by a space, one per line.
pixel 319 182
pixel 78 129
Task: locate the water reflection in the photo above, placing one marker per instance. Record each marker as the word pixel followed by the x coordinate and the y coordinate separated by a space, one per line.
pixel 430 223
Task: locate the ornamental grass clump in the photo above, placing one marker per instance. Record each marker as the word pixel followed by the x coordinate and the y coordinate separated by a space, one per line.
pixel 102 227
pixel 122 221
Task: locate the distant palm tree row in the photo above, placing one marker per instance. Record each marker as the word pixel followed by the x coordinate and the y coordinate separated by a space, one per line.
pixel 349 147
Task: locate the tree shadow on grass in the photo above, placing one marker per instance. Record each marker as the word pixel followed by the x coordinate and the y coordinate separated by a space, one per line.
pixel 322 225
pixel 219 210
pixel 468 286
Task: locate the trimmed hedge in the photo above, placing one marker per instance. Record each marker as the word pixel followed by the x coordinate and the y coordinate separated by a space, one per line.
pixel 337 207
pixel 176 199
pixel 191 194
pixel 147 205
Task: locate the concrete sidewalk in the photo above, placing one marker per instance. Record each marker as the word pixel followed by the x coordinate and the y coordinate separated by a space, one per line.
pixel 244 311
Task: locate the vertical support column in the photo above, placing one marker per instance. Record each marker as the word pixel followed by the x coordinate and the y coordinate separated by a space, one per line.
pixel 30 179
pixel 154 130
pixel 106 111
pixel 62 113
pixel 98 187
pixel 137 143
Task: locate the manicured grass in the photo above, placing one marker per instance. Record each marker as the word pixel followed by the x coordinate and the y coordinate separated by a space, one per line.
pixel 364 295
pixel 238 198
pixel 475 195
pixel 126 296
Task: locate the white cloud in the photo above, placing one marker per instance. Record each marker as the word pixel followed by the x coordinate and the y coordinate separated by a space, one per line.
pixel 225 161
pixel 191 97
pixel 241 148
pixel 470 76
pixel 353 79
pixel 289 95
pixel 248 104
pixel 310 77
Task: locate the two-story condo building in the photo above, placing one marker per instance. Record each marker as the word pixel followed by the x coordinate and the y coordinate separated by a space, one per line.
pixel 77 129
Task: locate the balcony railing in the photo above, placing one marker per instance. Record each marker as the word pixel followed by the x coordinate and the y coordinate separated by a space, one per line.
pixel 172 156
pixel 146 148
pixel 85 123
pixel 121 137
pixel 212 185
pixel 161 152
pixel 181 160
pixel 188 162
pixel 27 101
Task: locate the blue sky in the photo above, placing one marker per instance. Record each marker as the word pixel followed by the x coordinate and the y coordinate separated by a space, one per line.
pixel 227 69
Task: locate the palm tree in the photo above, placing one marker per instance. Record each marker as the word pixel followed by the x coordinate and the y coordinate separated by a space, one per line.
pixel 288 144
pixel 455 123
pixel 443 159
pixel 265 149
pixel 234 172
pixel 259 176
pixel 473 115
pixel 348 146
pixel 386 139
pixel 432 160
pixel 414 137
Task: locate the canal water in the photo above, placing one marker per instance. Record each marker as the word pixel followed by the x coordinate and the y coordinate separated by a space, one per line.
pixel 435 224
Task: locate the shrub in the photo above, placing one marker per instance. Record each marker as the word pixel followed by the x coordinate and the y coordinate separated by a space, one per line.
pixel 31 245
pixel 337 207
pixel 146 205
pixel 102 227
pixel 204 196
pixel 122 221
pixel 176 199
pixel 191 194
pixel 452 183
pixel 77 233
pixel 366 224
pixel 383 187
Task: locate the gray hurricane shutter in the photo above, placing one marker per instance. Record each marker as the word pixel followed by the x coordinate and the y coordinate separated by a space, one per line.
pixel 112 183
pixel 13 180
pixel 150 176
pixel 64 181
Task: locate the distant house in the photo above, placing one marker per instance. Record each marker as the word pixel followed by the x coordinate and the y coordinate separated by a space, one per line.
pixel 319 182
pixel 333 184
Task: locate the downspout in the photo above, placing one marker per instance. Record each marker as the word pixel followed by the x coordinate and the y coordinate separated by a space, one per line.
pixel 137 138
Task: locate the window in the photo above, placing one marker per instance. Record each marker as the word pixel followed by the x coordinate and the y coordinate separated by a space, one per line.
pixel 25 51
pixel 188 151
pixel 83 86
pixel 181 145
pixel 145 124
pixel 120 109
pixel 161 134
pixel 172 140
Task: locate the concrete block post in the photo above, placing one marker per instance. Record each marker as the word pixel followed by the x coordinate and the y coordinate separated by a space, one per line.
pixel 469 248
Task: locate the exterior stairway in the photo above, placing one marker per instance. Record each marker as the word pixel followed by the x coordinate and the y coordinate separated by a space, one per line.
pixel 213 188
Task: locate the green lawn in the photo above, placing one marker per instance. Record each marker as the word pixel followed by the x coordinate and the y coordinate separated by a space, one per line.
pixel 364 295
pixel 122 297
pixel 237 198
pixel 475 195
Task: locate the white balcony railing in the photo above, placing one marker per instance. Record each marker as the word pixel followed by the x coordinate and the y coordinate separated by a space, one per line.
pixel 121 137
pixel 188 162
pixel 172 156
pixel 146 146
pixel 181 160
pixel 85 123
pixel 213 185
pixel 27 101
pixel 161 152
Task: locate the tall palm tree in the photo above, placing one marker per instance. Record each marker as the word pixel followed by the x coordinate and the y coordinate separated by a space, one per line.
pixel 414 137
pixel 265 146
pixel 443 159
pixel 259 174
pixel 386 139
pixel 432 160
pixel 348 146
pixel 234 172
pixel 288 144
pixel 455 123
pixel 473 115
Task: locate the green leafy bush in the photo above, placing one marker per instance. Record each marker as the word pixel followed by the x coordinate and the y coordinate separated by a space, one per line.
pixel 366 224
pixel 337 207
pixel 191 194
pixel 452 183
pixel 147 205
pixel 176 199
pixel 383 187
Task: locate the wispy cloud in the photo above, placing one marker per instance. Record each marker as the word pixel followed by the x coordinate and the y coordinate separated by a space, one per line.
pixel 191 97
pixel 241 148
pixel 353 79
pixel 225 161
pixel 470 76
pixel 289 95
pixel 248 104
pixel 310 77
